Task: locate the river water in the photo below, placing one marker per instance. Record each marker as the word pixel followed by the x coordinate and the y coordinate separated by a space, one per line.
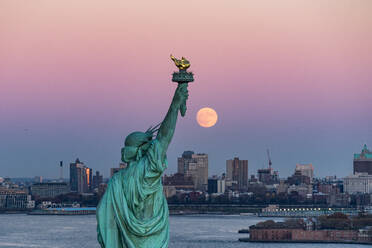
pixel 205 231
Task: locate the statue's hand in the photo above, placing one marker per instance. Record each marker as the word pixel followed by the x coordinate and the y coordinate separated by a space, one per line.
pixel 181 95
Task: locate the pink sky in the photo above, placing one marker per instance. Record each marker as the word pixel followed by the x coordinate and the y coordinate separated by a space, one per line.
pixel 104 65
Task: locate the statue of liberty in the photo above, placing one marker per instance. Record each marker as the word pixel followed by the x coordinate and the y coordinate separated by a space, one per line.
pixel 133 213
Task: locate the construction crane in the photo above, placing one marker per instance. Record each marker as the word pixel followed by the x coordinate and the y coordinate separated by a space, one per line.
pixel 268 156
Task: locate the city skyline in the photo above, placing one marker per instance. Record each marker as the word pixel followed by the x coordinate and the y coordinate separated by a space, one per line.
pixel 292 77
pixel 256 173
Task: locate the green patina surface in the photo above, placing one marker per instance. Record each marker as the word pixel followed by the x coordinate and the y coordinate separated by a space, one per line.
pixel 133 211
pixel 365 154
pixel 182 77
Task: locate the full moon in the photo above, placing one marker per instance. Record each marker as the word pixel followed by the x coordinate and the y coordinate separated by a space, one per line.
pixel 206 117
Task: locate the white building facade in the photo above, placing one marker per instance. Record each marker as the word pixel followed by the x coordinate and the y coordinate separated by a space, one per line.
pixel 358 183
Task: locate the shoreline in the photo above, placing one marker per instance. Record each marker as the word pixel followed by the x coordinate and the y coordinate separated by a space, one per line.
pixel 305 241
pixel 170 214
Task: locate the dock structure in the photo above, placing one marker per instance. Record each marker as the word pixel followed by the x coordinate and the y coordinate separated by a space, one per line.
pixel 275 211
pixel 64 211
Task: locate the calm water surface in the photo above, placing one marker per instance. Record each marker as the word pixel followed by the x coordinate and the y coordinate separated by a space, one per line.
pixel 80 231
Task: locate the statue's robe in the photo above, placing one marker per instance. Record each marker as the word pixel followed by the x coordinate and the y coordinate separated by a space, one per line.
pixel 133 213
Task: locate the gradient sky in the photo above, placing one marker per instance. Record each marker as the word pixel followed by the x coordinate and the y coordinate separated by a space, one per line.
pixel 77 76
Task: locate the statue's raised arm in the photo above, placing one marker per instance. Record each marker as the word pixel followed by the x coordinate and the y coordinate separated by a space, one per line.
pixel 168 125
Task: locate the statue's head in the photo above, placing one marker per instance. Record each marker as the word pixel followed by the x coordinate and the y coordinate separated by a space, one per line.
pixel 136 145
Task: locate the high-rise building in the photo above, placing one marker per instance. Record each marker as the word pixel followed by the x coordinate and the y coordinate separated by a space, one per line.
pixel 121 167
pixel 358 183
pixel 80 177
pixel 298 178
pixel 268 176
pixel 305 170
pixel 196 166
pixel 179 181
pixel 237 170
pixel 13 199
pixel 38 179
pixel 97 180
pixel 50 189
pixel 363 161
pixel 216 185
